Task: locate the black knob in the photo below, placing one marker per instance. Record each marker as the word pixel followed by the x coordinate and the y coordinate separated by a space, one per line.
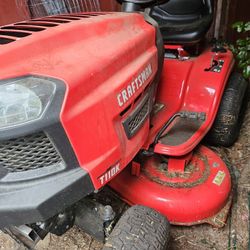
pixel 219 49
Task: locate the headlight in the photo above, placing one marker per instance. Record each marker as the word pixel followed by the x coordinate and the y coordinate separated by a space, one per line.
pixel 24 100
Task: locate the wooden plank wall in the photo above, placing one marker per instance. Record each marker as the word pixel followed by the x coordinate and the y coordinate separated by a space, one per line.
pixel 10 12
pixel 239 10
pixel 227 13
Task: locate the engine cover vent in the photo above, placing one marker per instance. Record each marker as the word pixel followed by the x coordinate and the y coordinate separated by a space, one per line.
pixel 17 31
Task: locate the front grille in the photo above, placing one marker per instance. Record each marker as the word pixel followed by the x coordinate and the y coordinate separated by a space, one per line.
pixel 28 153
pixel 135 120
pixel 133 124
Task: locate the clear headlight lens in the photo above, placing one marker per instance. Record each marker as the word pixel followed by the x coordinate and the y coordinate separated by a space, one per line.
pixel 24 100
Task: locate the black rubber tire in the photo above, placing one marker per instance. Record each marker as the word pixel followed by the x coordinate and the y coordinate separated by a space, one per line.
pixel 139 228
pixel 226 127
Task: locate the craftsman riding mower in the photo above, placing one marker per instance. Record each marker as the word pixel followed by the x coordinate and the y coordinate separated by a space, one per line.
pixel 120 100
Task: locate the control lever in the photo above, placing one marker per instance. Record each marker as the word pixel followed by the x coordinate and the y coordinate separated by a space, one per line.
pixel 217 62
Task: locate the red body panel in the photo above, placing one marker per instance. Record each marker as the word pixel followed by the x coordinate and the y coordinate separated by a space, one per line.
pixel 188 189
pixel 185 85
pixel 96 57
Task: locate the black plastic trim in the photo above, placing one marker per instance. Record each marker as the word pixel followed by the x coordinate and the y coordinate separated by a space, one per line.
pixel 41 199
pixel 160 49
pixel 31 196
pixel 49 123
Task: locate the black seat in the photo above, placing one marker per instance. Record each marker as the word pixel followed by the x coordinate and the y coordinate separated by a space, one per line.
pixel 183 21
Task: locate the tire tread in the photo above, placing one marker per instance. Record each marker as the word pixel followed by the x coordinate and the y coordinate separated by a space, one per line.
pixel 140 228
pixel 226 127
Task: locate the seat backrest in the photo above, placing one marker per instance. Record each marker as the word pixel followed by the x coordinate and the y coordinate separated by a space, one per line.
pixel 183 21
pixel 183 10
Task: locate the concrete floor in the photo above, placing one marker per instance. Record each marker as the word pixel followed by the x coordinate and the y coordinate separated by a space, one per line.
pixel 234 236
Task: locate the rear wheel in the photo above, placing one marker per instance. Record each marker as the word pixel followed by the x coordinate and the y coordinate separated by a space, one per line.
pixel 140 228
pixel 226 127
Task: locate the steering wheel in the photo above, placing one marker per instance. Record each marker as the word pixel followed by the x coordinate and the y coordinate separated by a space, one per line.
pixel 143 2
pixel 135 5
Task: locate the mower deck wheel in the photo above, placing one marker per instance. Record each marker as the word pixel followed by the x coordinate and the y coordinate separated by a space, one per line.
pixel 226 127
pixel 140 228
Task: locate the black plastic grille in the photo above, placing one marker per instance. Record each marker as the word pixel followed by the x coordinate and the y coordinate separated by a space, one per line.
pixel 134 122
pixel 28 153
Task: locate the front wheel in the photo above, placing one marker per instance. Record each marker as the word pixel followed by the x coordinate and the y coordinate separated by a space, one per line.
pixel 226 127
pixel 139 228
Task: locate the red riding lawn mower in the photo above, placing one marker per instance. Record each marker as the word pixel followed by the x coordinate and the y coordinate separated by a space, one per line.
pixel 119 99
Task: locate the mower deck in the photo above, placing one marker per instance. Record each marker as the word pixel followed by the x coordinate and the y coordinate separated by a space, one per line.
pixel 193 196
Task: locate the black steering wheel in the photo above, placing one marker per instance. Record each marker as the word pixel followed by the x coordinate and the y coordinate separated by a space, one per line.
pixel 136 5
pixel 143 2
